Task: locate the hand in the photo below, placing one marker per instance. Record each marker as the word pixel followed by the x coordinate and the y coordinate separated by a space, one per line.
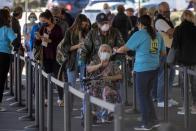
pixel 37 35
pixel 80 45
pixel 115 49
pixel 104 63
pixel 47 40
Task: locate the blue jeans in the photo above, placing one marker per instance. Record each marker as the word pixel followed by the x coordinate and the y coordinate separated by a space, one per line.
pixel 71 76
pixel 158 90
pixel 144 84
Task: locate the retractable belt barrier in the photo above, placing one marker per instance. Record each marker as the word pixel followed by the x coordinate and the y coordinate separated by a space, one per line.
pixel 34 81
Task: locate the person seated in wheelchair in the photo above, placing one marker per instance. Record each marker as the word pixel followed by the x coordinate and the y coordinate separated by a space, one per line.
pixel 105 78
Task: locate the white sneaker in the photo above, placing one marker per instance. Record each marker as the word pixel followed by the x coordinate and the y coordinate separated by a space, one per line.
pixel 182 112
pixel 2 109
pixel 173 102
pixel 161 104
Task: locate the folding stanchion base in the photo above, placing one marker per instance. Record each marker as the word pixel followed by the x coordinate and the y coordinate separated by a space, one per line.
pixel 6 93
pixel 11 99
pixel 31 128
pixel 16 104
pixel 132 111
pixel 26 118
pixel 22 110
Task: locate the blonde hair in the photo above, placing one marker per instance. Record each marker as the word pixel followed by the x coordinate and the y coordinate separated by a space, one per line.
pixel 188 15
pixel 104 46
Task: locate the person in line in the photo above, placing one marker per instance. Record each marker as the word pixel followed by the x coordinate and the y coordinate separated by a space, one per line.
pixel 107 86
pixel 27 28
pixel 122 22
pixel 149 46
pixel 133 18
pixel 7 40
pixel 58 19
pixel 104 33
pixel 184 41
pixel 165 27
pixel 72 43
pixel 47 40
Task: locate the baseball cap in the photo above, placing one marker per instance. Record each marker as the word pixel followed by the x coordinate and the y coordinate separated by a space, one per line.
pixel 101 18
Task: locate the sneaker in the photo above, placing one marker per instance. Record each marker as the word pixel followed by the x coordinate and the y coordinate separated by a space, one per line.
pixel 60 103
pixel 143 128
pixel 173 102
pixel 193 110
pixel 161 104
pixel 156 124
pixel 182 112
pixel 2 109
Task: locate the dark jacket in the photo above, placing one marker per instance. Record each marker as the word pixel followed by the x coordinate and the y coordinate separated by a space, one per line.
pixel 184 39
pixel 123 24
pixel 56 35
pixel 15 25
pixel 95 39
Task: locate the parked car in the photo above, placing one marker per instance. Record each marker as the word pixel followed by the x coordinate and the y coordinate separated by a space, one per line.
pixel 7 3
pixel 96 6
pixel 74 7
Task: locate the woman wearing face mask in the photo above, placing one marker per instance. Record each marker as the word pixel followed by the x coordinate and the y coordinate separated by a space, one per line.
pixel 73 41
pixel 27 33
pixel 48 39
pixel 149 46
pixel 107 75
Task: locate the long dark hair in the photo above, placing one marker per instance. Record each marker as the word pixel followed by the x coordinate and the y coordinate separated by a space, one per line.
pixel 78 22
pixel 146 21
pixel 48 15
pixel 4 18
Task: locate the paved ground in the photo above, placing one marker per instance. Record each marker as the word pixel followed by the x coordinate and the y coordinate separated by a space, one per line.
pixel 9 120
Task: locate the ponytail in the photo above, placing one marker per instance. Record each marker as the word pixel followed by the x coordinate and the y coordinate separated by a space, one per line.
pixel 151 32
pixel 146 21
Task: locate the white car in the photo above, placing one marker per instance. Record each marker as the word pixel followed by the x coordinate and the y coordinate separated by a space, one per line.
pixel 95 7
pixel 7 3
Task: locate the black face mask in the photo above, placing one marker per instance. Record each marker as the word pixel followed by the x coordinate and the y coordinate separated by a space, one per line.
pixel 44 24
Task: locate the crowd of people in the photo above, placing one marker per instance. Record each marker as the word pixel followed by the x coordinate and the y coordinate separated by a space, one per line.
pixel 77 48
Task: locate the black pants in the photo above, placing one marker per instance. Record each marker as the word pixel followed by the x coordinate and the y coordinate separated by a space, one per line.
pixel 4 69
pixel 51 66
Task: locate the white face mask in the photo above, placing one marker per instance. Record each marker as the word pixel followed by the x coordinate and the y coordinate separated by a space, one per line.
pixel 32 20
pixel 105 27
pixel 106 11
pixel 104 56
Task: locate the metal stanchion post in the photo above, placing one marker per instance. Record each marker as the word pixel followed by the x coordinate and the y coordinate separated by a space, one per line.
pixel 50 105
pixel 14 87
pixel 125 85
pixel 186 99
pixel 11 79
pixel 134 96
pixel 25 109
pixel 166 85
pixel 15 77
pixel 29 117
pixel 67 115
pixel 87 114
pixel 17 80
pixel 118 118
pixel 41 101
pixel 35 126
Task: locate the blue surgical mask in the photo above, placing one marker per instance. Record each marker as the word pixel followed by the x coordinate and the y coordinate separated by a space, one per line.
pixel 44 23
